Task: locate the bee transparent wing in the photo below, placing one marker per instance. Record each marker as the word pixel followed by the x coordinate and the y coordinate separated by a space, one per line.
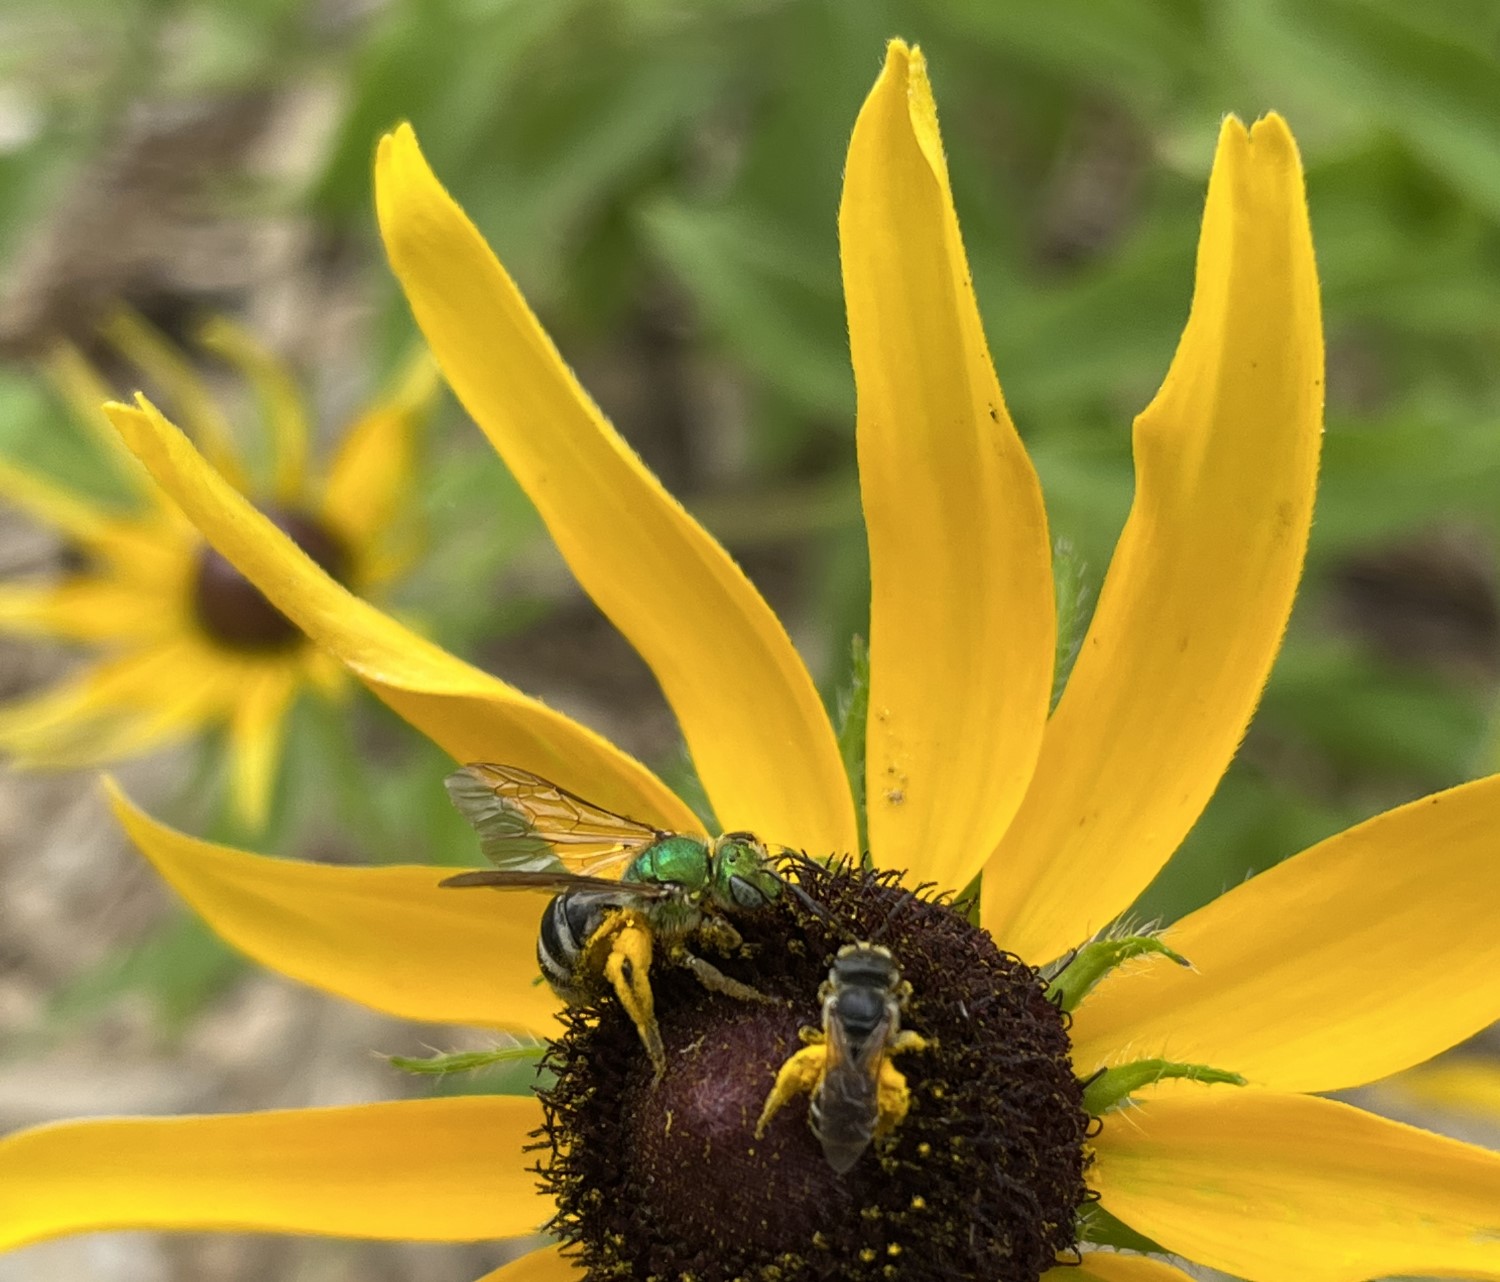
pixel 846 1107
pixel 526 824
pixel 556 880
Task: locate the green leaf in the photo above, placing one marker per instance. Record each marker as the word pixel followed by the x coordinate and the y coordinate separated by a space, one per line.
pixel 1096 959
pixel 1114 1086
pixel 440 1065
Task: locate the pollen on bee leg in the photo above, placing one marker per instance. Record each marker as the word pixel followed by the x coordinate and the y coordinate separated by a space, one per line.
pixel 893 1096
pixel 628 969
pixel 798 1076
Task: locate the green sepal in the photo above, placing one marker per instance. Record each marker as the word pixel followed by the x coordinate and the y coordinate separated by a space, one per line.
pixel 1099 1228
pixel 439 1065
pixel 1111 1087
pixel 1095 960
pixel 852 719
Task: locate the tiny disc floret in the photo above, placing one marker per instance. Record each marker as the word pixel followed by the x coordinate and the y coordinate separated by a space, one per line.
pixel 982 1179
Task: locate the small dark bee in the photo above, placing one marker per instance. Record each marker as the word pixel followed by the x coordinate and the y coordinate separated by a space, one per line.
pixel 857 1093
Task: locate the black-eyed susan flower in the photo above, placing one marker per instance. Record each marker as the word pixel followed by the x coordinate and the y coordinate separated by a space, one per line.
pixel 1029 1139
pixel 180 640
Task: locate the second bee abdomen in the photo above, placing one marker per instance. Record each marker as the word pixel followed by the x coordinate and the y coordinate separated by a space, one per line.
pixel 844 1115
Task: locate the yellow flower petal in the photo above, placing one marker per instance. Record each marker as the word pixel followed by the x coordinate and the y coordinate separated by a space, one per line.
pixel 82 609
pixel 1192 610
pixel 759 737
pixel 1367 953
pixel 1468 1085
pixel 961 611
pixel 545 1265
pixel 469 713
pixel 1107 1266
pixel 79 384
pixel 1288 1188
pixel 440 1170
pixel 282 406
pixel 115 709
pixel 388 938
pixel 257 726
pixel 372 471
pixel 51 505
pixel 177 380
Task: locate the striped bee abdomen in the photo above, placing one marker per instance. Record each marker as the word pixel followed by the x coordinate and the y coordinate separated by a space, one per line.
pixel 568 924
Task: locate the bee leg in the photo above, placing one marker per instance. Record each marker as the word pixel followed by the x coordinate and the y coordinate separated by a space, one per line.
pixel 628 969
pixel 799 1075
pixel 892 1095
pixel 719 933
pixel 716 981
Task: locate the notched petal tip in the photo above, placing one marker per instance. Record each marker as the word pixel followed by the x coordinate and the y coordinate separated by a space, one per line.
pixel 398 138
pixel 898 53
pixel 1266 147
pixel 1273 132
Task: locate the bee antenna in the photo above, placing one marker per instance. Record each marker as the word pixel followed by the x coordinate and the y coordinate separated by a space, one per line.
pixel 806 900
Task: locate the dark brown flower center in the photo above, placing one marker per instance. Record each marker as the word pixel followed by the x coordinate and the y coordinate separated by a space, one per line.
pixel 231 609
pixel 983 1179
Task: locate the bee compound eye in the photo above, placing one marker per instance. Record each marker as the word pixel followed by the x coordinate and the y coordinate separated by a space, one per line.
pixel 747 894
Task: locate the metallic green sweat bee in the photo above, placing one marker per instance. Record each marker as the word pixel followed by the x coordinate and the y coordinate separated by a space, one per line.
pixel 667 889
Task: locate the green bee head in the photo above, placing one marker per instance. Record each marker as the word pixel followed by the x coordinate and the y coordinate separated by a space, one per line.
pixel 743 878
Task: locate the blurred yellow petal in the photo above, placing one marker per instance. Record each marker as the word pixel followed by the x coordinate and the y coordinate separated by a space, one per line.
pixel 1289 1188
pixel 387 938
pixel 545 1265
pixel 51 505
pixel 1193 607
pixel 1107 1266
pixel 79 384
pixel 1368 953
pixel 373 469
pixel 961 611
pixel 1460 1084
pixel 760 740
pixel 114 709
pixel 281 403
pixel 177 380
pixel 257 727
pixel 82 609
pixel 440 1170
pixel 469 713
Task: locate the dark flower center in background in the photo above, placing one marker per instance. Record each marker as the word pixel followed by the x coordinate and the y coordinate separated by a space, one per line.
pixel 666 1180
pixel 231 610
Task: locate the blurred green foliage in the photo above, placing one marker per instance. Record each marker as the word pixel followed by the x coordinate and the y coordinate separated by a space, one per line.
pixel 663 179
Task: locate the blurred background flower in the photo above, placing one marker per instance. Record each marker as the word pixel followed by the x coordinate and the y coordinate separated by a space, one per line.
pixel 663 179
pixel 181 641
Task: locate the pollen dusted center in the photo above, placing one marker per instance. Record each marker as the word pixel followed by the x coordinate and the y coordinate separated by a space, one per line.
pixel 231 609
pixel 665 1179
